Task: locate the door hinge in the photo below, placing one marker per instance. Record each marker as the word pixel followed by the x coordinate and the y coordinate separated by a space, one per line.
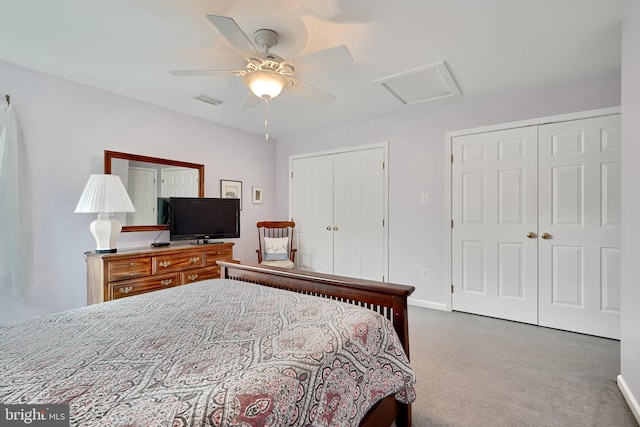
pixel 451 223
pixel 291 174
pixel 383 222
pixel 382 165
pixel 452 158
pixel 452 288
pixel 383 278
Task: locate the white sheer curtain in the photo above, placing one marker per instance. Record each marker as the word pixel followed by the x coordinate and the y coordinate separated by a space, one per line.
pixel 15 211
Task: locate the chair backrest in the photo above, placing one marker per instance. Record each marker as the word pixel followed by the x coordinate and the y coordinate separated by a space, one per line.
pixel 275 229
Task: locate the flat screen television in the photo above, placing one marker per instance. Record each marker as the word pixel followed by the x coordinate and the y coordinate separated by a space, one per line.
pixel 202 219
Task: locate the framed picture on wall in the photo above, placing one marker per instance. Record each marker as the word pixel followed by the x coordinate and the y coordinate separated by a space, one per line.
pixel 231 190
pixel 256 194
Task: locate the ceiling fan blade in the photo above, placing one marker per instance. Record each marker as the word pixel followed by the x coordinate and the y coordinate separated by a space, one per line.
pixel 251 101
pixel 332 57
pixel 312 93
pixel 200 73
pixel 233 33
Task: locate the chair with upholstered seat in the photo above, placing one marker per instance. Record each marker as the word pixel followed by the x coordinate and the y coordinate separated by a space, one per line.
pixel 275 240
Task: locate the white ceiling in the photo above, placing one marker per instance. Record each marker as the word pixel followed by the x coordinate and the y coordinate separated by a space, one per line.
pixel 490 46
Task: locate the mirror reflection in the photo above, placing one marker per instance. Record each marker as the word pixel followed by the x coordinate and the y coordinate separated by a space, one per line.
pixel 150 181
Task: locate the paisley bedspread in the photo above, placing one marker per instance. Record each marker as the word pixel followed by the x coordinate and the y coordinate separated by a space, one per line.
pixel 213 353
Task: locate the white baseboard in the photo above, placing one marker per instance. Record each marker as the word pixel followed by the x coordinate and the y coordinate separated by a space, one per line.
pixel 427 304
pixel 628 396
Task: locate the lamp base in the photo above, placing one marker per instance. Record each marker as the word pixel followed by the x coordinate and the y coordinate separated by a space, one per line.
pixel 105 230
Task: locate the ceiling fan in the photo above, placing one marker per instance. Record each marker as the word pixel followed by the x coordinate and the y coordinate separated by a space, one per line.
pixel 267 74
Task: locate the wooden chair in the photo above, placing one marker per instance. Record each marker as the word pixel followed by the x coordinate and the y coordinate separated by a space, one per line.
pixel 275 240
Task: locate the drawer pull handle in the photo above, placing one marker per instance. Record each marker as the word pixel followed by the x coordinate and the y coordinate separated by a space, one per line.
pixel 164 263
pixel 166 282
pixel 130 264
pixel 192 277
pixel 126 289
pixel 194 259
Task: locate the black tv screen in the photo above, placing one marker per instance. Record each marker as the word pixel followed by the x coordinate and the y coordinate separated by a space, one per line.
pixel 194 218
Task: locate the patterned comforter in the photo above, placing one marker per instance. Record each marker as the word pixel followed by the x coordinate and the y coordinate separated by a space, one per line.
pixel 214 353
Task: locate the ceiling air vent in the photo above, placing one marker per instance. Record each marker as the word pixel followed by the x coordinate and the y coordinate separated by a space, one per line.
pixel 208 99
pixel 421 84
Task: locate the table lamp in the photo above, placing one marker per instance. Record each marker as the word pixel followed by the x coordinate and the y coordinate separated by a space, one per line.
pixel 105 195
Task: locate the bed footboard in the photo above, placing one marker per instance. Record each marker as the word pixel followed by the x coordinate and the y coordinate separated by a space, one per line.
pixel 388 299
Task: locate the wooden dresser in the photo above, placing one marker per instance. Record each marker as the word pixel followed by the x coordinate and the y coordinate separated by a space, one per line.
pixel 135 271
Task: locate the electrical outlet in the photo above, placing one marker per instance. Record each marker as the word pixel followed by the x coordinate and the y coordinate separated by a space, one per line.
pixel 424 274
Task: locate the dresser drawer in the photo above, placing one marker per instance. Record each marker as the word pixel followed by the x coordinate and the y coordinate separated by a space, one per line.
pixel 127 288
pixel 177 262
pixel 219 254
pixel 199 274
pixel 128 268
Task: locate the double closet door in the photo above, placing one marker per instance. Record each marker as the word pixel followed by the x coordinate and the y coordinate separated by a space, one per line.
pixel 536 224
pixel 337 203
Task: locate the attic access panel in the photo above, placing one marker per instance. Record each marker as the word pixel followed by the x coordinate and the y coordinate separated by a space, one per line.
pixel 421 85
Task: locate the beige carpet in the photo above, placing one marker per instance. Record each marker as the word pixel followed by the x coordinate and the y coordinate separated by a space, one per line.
pixel 479 371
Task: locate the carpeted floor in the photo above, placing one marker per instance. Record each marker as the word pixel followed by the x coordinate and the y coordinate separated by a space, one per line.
pixel 480 371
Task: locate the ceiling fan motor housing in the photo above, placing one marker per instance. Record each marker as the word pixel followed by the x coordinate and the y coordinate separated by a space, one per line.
pixel 266 38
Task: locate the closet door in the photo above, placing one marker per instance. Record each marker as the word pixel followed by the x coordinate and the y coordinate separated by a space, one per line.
pixel 338 207
pixel 579 275
pixel 358 229
pixel 494 208
pixel 312 211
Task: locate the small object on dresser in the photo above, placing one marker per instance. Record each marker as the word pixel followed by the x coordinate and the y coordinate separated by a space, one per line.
pixel 159 244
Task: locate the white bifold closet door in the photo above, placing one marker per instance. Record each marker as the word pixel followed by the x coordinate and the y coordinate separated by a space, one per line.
pixel 536 225
pixel 312 211
pixel 338 207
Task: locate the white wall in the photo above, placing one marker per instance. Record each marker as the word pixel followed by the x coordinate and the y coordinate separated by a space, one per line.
pixel 67 126
pixel 417 164
pixel 630 315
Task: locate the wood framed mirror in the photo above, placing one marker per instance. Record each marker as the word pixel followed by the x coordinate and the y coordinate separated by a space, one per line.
pixel 150 181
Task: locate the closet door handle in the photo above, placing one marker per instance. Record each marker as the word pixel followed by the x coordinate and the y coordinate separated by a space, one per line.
pixel 545 236
pixel 335 228
pixel 531 235
pixel 328 228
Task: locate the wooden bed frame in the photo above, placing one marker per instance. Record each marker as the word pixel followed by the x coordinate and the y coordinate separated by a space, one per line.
pixel 388 299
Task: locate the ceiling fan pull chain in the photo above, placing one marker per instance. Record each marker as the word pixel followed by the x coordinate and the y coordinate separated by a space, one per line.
pixel 266 118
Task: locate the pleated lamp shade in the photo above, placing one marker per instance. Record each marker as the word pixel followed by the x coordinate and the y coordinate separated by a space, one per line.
pixel 104 193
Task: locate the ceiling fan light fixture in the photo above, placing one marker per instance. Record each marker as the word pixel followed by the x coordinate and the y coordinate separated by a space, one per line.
pixel 265 84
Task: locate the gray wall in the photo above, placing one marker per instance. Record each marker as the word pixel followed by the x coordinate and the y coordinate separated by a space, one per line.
pixel 417 164
pixel 67 126
pixel 630 319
